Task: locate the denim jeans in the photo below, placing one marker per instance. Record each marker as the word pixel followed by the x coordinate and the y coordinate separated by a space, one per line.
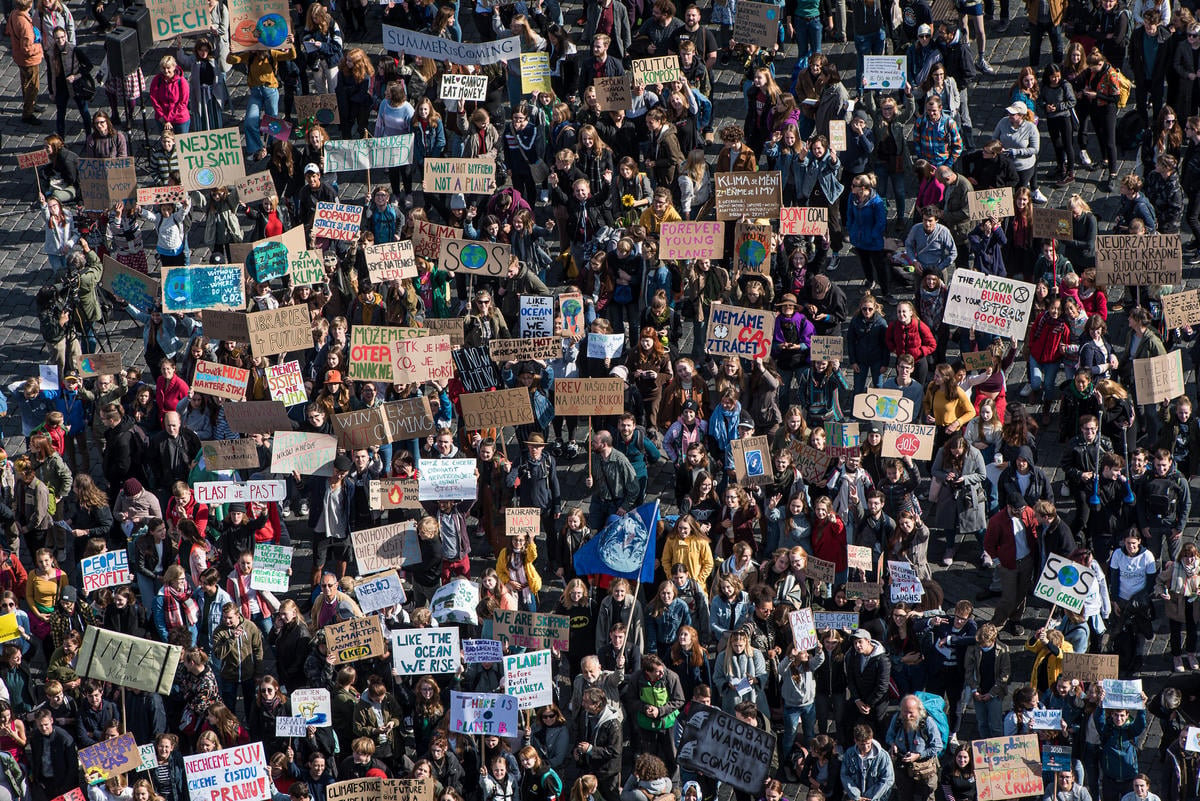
pixel 1044 376
pixel 869 45
pixel 262 99
pixel 872 370
pixel 797 717
pixel 989 717
pixel 808 39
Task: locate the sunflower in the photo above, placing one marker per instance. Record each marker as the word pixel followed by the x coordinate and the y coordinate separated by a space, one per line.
pixel 627 201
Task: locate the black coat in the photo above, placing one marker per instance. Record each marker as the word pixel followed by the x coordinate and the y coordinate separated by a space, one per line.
pixel 869 683
pixel 603 759
pixel 122 454
pixel 64 761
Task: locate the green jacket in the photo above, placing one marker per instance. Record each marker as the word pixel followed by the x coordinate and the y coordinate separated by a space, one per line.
pixel 89 279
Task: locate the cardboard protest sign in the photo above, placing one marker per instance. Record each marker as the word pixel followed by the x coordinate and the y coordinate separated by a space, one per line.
pixel 504 407
pixel 230 454
pixel 735 331
pixel 355 639
pixel 455 176
pixel 483 713
pixel 752 247
pixel 605 346
pixel 531 629
pixel 386 547
pixel 1052 223
pixel 904 585
pixel 440 48
pixel 290 726
pixel 380 591
pixel 202 286
pixel 884 405
pixel 94 364
pixel 138 289
pixel 1139 259
pixel 390 260
pixel 752 461
pixel 301 452
pixel 536 316
pixel 447 479
pixel 757 23
pixel 589 397
pixel 908 439
pixel 272 564
pixel 258 186
pixel 976 359
pixel 221 492
pixel 394 493
pixel 268 261
pixel 422 359
pixel 522 520
pixel 570 308
pixel 456 602
pixel 376 153
pixel 860 557
pixel 260 25
pixel 108 569
pixel 421 652
pixel 231 774
pixel 614 93
pixel 282 330
pixel 813 464
pixel 527 677
pixel 318 108
pixel 110 758
pixel 863 590
pixel 286 384
pixel 306 267
pixel 225 325
pixel 826 349
pixel 1064 583
pixel 451 327
pixel 804 221
pixel 884 72
pixel 989 303
pixel 748 194
pixel 519 350
pixel 1123 694
pixel 104 182
pixel 847 621
pixel 427 238
pixel 482 651
pixel 220 380
pixel 477 372
pixel 1007 767
pixel 32 159
pixel 257 417
pixel 691 240
pixel 371 352
pixel 1181 309
pixel 985 203
pixel 379 425
pixel 152 196
pixel 74 794
pixel 663 69
pixel 1158 378
pixel 462 87
pixel 804 630
pixel 820 570
pixel 341 221
pixel 720 746
pixel 127 661
pixel 292 239
pixel 475 258
pixel 535 73
pixel 208 159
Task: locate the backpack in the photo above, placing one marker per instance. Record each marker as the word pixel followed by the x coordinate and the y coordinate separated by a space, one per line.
pixel 935 707
pixel 1124 88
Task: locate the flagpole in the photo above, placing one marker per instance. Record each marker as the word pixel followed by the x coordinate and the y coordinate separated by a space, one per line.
pixel 589 447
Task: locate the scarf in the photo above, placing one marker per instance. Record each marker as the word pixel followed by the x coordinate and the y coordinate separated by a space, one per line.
pixel 1185 580
pixel 179 608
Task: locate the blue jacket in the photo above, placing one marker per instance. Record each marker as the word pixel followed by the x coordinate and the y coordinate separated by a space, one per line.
pixel 987 249
pixel 427 142
pixel 811 172
pixel 870 776
pixel 72 406
pixel 866 340
pixel 866 224
pixel 1118 745
pixel 859 148
pixel 637 452
pixel 662 630
pixel 177 330
pixel 926 740
pixel 726 616
pixel 776 158
pixel 385 223
pixel 723 428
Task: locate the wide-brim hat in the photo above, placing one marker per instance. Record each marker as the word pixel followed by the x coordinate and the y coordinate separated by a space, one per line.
pixel 535 439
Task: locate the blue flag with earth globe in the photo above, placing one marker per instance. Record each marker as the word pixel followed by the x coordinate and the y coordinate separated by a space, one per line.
pixel 625 547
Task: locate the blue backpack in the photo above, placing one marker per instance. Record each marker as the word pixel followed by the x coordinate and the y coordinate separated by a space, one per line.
pixel 935 707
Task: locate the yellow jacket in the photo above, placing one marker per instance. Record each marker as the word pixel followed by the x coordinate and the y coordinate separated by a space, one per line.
pixel 532 577
pixel 695 552
pixel 261 71
pixel 1054 664
pixel 946 411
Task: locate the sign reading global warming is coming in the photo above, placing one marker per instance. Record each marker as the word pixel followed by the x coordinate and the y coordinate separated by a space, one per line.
pixel 988 303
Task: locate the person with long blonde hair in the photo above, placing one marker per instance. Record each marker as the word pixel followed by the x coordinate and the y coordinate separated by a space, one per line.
pixel 762 96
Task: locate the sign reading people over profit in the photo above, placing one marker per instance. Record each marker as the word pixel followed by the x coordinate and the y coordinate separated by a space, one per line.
pixel 421 652
pixel 748 194
pixel 589 397
pixel 988 303
pixel 528 678
pixel 108 569
pixel 1158 378
pixel 386 547
pixel 1007 767
pixel 692 240
pixel 208 159
pixel 355 639
pixel 127 661
pixel 232 774
pixel 1139 259
pixel 202 286
pixel 721 746
pixel 454 176
pixel 483 713
pixel 531 629
pixel 736 331
pixel 440 48
pixel 1064 583
pixel 341 221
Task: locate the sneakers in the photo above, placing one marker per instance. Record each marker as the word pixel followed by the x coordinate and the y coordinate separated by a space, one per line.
pixel 1066 180
pixel 983 66
pixel 1191 258
pixel 1086 160
pixel 1192 663
pixel 1027 391
pixel 988 564
pixel 834 261
pixel 1178 661
pixel 1039 198
pixel 304 508
pixel 556 448
pixel 948 558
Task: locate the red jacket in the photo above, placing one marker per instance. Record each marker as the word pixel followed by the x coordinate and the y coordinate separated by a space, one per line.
pixel 169 394
pixel 1047 339
pixel 999 541
pixel 829 542
pixel 170 98
pixel 914 339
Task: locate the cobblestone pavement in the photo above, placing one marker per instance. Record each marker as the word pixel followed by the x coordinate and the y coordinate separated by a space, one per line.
pixel 23 269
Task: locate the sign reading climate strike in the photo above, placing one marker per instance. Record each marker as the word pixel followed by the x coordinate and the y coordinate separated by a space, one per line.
pixel 734 331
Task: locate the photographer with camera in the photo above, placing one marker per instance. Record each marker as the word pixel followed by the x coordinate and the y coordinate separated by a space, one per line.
pixel 85 264
pixel 54 317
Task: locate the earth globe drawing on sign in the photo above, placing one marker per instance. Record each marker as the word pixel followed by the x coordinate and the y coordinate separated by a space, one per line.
pixel 178 287
pixel 473 257
pixel 1068 575
pixel 206 177
pixel 324 116
pixel 887 408
pixel 571 307
pixel 275 127
pixel 752 252
pixel 271 30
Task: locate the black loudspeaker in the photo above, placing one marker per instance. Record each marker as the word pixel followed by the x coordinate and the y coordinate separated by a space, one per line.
pixel 121 46
pixel 138 18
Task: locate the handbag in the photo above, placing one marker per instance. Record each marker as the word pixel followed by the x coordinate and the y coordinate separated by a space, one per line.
pixel 923 771
pixel 84 87
pixel 539 170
